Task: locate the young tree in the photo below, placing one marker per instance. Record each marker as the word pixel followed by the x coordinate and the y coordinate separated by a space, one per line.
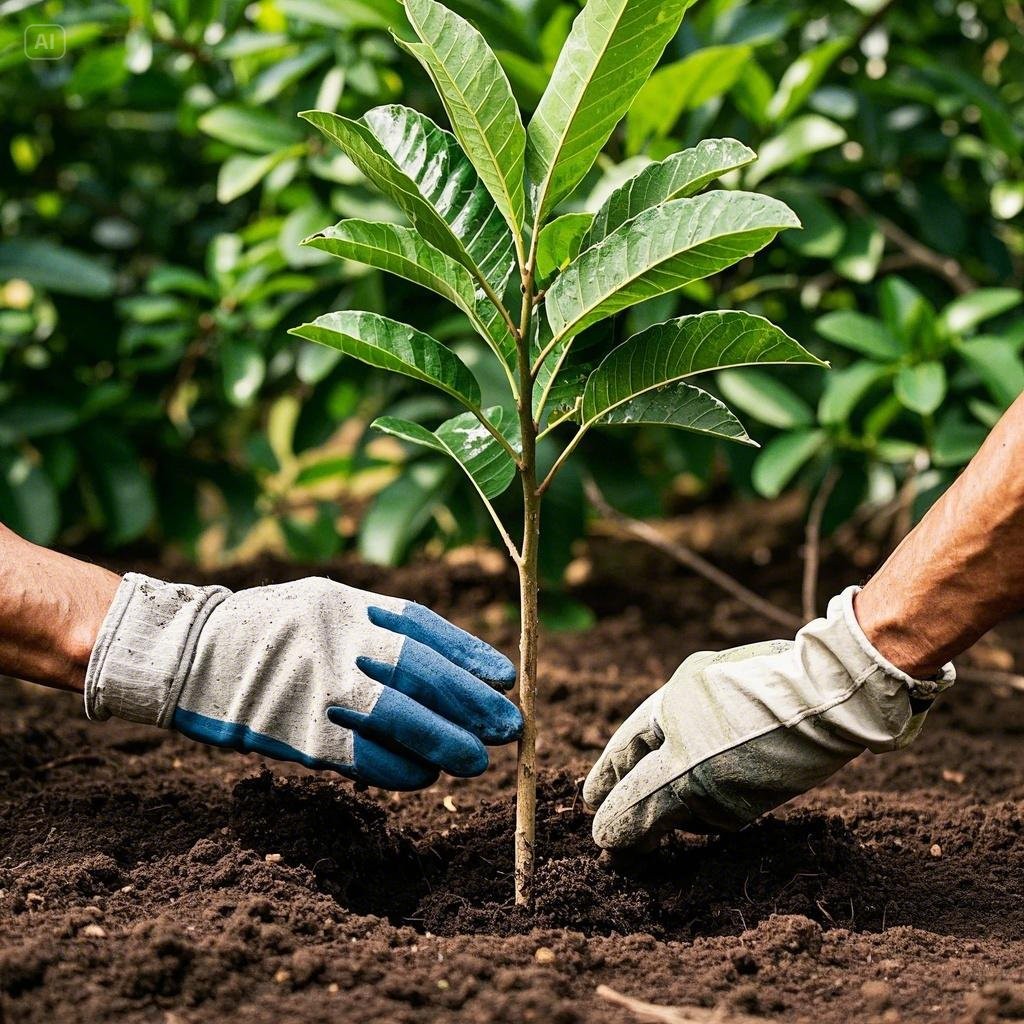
pixel 480 205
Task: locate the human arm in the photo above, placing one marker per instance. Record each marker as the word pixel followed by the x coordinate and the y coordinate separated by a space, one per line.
pixel 379 689
pixel 734 734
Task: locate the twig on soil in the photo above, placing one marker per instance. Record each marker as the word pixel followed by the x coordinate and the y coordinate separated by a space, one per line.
pixel 63 762
pixel 642 531
pixel 812 544
pixel 655 1014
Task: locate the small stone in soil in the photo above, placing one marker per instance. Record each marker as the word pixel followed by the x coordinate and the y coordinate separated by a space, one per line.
pixel 543 955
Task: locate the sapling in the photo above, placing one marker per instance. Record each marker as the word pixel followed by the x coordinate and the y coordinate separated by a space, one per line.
pixel 483 231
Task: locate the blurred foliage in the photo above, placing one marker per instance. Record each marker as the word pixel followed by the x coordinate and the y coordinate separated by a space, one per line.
pixel 155 183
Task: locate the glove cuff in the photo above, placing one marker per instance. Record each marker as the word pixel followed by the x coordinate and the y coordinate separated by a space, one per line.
pixel 145 648
pixel 864 651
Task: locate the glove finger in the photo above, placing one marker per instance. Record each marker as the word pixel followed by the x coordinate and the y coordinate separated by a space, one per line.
pixel 399 720
pixel 634 739
pixel 459 647
pixel 433 681
pixel 642 807
pixel 376 765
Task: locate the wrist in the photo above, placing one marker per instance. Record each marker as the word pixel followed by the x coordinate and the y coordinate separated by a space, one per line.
pixel 893 632
pixel 51 609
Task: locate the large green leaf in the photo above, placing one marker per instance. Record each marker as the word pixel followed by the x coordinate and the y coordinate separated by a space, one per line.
pixel 681 175
pixel 560 241
pixel 845 388
pixel 808 134
pixel 478 99
pixel 766 398
pixel 861 333
pixel 966 312
pixel 921 388
pixel 423 169
pixel 679 349
pixel 389 345
pixel 469 443
pixel 684 85
pixel 683 406
pixel 403 251
pixel 660 250
pixel 998 364
pixel 612 48
pixel 801 78
pixel 782 458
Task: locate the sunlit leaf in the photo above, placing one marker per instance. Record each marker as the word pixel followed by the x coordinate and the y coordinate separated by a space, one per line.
pixel 963 314
pixel 783 457
pixel 766 398
pixel 921 388
pixel 808 134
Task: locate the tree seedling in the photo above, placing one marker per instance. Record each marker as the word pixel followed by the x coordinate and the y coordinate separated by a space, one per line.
pixel 538 288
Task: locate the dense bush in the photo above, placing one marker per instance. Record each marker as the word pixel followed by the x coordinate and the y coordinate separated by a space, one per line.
pixel 156 184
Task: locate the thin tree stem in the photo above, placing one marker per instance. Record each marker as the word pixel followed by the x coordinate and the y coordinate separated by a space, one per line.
pixel 562 459
pixel 526 768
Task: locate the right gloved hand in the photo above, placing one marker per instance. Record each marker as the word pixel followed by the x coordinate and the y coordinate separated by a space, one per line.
pixel 733 734
pixel 379 689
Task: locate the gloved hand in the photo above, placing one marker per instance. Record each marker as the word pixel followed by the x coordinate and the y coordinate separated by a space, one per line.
pixel 378 689
pixel 733 734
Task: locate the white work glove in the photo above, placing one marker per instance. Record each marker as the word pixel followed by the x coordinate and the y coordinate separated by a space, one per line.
pixel 378 689
pixel 733 734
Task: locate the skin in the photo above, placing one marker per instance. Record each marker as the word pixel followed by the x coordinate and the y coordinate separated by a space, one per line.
pixel 957 574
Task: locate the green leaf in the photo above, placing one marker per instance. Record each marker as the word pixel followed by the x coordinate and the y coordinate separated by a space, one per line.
pixel 403 251
pixel 684 85
pixel 315 540
pixel 861 333
pixel 559 242
pixel 401 511
pixel 801 78
pixel 346 14
pixel 783 457
pixel 845 388
pixel 661 250
pixel 823 232
pixel 258 131
pixel 963 314
pixel 241 173
pixel 389 345
pixel 612 48
pixel 478 99
pixel 957 440
pixel 767 399
pixel 122 489
pixel 921 388
pixel 904 309
pixel 680 348
pixel 423 169
pixel 469 443
pixel 244 368
pixel 55 268
pixel 998 364
pixel 28 499
pixel 861 251
pixel 808 134
pixel 272 81
pixel 682 406
pixel 678 177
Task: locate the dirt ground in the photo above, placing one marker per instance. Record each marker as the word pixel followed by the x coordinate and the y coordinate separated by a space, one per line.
pixel 147 878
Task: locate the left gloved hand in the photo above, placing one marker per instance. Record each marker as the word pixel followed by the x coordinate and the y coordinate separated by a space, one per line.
pixel 378 689
pixel 733 734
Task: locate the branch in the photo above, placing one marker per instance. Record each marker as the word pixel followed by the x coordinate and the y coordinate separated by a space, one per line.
pixel 812 544
pixel 990 677
pixel 560 461
pixel 945 266
pixel 685 556
pixel 652 1013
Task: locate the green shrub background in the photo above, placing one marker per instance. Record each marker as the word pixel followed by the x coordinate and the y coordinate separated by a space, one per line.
pixel 155 183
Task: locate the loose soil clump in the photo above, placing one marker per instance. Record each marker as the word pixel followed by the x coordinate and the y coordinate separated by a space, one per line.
pixel 147 878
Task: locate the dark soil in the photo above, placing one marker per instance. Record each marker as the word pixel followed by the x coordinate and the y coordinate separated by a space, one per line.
pixel 146 878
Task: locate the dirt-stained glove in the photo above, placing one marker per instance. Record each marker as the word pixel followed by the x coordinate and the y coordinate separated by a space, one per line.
pixel 379 689
pixel 733 734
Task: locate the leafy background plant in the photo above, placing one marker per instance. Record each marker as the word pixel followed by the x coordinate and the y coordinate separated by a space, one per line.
pixel 156 183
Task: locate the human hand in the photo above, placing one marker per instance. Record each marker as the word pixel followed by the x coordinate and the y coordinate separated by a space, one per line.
pixel 381 690
pixel 733 734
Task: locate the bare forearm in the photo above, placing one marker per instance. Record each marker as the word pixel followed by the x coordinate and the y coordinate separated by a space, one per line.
pixel 51 608
pixel 960 571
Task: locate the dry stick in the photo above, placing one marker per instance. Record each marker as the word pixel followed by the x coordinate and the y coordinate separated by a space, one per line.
pixel 686 556
pixel 945 266
pixel 812 544
pixel 655 1014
